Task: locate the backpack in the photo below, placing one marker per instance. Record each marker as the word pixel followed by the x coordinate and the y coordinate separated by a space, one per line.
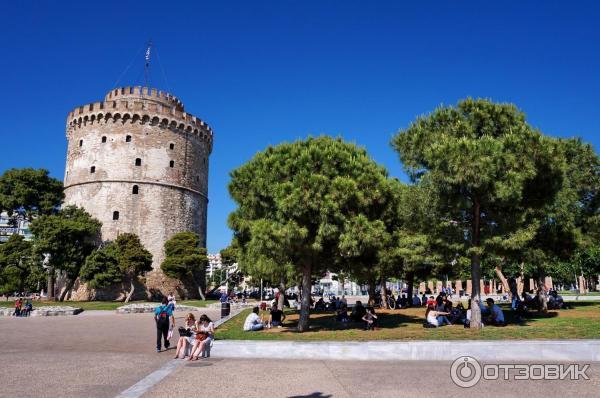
pixel 163 315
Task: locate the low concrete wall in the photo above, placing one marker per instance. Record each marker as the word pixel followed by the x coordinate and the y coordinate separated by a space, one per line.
pixel 502 350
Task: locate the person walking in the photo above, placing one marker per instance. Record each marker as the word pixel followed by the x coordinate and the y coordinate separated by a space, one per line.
pixel 162 315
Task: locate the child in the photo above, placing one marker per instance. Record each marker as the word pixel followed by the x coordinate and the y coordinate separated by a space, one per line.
pixel 370 319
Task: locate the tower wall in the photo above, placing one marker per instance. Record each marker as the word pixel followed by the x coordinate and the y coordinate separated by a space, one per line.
pixel 171 148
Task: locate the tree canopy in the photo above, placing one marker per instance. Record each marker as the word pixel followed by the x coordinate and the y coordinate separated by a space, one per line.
pixel 184 258
pixel 125 258
pixel 29 192
pixel 301 205
pixel 18 269
pixel 488 168
pixel 68 237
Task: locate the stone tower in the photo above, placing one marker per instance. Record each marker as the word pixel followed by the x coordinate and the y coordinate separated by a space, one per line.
pixel 139 163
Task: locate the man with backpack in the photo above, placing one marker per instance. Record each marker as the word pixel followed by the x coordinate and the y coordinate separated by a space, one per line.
pixel 161 316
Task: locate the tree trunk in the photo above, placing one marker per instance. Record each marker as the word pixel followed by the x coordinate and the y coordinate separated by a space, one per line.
pixel 51 295
pixel 503 280
pixel 67 290
pixel 202 297
pixel 541 297
pixel 371 301
pixel 132 288
pixel 281 300
pixel 384 303
pixel 410 280
pixel 475 268
pixel 305 306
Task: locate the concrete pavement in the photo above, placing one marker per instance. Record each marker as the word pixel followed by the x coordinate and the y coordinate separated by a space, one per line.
pixel 101 354
pixel 260 378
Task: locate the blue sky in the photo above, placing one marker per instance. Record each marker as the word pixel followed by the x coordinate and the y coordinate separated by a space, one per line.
pixel 265 72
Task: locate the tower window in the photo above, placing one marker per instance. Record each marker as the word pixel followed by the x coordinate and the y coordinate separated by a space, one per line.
pixel 115 215
pixel 171 146
pixel 171 164
pixel 138 162
pixel 92 169
pixel 103 139
pixel 128 138
pixel 135 190
pixel 197 178
pixel 80 143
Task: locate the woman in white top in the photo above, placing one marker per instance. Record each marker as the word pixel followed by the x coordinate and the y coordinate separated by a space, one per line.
pixel 182 343
pixel 205 329
pixel 432 315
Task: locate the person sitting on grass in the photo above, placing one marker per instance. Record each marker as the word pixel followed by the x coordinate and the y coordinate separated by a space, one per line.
pixel 276 318
pixel 187 336
pixel 320 304
pixel 358 312
pixel 555 301
pixel 436 318
pixel 253 322
pixel 342 314
pixel 370 319
pixel 457 314
pixel 416 301
pixel 496 316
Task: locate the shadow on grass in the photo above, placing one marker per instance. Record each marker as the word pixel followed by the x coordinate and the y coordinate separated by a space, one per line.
pixel 313 395
pixel 325 322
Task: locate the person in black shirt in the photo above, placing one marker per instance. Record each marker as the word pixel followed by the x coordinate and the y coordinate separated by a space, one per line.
pixel 277 317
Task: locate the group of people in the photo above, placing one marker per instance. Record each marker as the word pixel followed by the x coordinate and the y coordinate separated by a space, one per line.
pixel 195 337
pixel 254 322
pixel 23 307
pixel 441 311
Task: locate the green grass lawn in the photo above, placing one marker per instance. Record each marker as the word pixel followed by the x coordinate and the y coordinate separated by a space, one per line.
pixel 102 305
pixel 570 293
pixel 581 322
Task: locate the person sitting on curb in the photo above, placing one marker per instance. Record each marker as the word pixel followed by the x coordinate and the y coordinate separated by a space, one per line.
pixel 370 319
pixel 187 336
pixel 205 332
pixel 253 322
pixel 496 316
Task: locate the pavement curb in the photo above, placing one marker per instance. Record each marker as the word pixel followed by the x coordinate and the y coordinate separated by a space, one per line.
pixel 432 350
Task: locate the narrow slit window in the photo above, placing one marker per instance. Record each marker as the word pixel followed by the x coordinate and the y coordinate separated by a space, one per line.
pixel 92 169
pixel 197 178
pixel 128 138
pixel 135 190
pixel 103 139
pixel 115 215
pixel 80 143
pixel 138 162
pixel 171 146
pixel 171 164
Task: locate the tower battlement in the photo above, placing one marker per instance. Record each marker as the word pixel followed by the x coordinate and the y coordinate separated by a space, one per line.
pixel 140 105
pixel 144 92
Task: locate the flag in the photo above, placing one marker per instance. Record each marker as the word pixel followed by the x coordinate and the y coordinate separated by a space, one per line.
pixel 148 56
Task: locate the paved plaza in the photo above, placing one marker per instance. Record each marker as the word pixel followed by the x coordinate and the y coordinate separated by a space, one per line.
pixel 101 354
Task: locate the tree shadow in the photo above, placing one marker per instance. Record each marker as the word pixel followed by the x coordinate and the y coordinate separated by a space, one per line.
pixel 313 395
pixel 326 322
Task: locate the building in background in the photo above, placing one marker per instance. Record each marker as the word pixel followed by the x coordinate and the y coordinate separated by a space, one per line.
pixel 8 227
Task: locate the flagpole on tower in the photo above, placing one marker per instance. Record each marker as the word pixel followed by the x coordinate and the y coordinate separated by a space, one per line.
pixel 147 64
